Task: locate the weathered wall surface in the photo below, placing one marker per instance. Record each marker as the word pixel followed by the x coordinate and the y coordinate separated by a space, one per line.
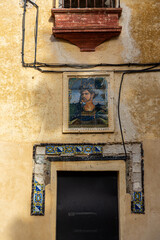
pixel 147 226
pixel 145 28
pixel 31 111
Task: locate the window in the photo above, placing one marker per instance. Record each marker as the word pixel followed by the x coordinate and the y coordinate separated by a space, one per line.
pixel 87 3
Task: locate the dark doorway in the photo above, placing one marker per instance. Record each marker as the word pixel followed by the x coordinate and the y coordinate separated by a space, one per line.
pixel 87 206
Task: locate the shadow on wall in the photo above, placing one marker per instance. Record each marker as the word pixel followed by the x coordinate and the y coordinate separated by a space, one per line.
pixel 36 229
pixel 22 230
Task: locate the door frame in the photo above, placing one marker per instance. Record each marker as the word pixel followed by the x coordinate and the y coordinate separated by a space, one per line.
pixel 117 166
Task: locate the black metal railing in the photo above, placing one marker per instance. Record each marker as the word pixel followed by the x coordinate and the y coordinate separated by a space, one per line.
pixel 88 4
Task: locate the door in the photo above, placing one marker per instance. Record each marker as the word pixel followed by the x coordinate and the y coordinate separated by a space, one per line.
pixel 87 206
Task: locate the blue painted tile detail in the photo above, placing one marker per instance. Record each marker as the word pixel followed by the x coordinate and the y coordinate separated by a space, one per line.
pixel 69 149
pixel 97 149
pixel 74 149
pixel 59 149
pixel 137 196
pixel 138 206
pixel 38 209
pixel 88 149
pixel 38 198
pixel 78 149
pixel 38 188
pixel 137 202
pixel 50 150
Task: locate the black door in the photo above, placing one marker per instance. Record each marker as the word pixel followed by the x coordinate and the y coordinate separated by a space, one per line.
pixel 87 206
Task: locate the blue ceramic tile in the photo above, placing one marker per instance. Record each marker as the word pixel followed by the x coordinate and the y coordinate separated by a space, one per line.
pixel 138 203
pixel 78 149
pixel 138 206
pixel 37 210
pixel 137 196
pixel 69 149
pixel 88 149
pixel 38 187
pixel 50 149
pixel 38 198
pixel 59 149
pixel 97 149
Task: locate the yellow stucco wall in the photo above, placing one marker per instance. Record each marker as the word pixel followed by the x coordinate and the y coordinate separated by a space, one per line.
pixel 31 111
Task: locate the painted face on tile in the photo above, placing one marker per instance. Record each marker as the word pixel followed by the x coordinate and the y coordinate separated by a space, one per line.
pixel 86 96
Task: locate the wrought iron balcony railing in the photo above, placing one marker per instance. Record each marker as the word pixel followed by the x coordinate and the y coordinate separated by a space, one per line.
pixel 88 4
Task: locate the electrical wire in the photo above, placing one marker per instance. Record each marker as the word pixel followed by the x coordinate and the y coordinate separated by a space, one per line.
pixel 119 99
pixel 119 116
pixel 39 65
pixel 23 33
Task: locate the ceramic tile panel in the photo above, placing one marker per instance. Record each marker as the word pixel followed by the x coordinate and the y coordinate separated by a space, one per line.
pixel 88 149
pixel 69 149
pixel 78 149
pixel 60 149
pixel 38 198
pixel 50 149
pixel 97 149
pixel 73 149
pixel 88 102
pixel 137 202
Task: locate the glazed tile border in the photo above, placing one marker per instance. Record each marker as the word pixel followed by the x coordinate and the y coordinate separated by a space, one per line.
pixel 137 205
pixel 73 149
pixel 38 198
pixel 38 190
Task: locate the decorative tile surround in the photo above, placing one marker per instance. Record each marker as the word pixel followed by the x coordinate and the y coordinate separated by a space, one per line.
pixel 38 185
pixel 77 149
pixel 38 198
pixel 41 173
